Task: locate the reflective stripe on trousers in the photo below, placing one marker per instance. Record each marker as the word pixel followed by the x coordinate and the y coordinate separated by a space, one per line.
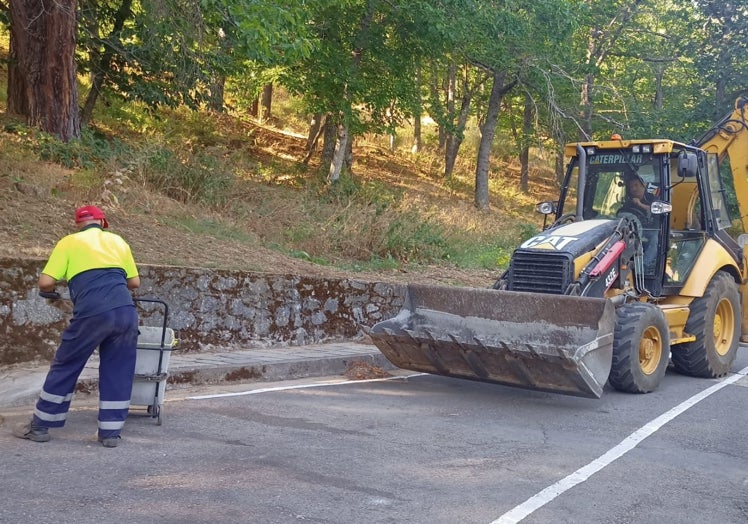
pixel 115 333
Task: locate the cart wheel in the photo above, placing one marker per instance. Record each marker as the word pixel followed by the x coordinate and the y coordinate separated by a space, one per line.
pixel 160 416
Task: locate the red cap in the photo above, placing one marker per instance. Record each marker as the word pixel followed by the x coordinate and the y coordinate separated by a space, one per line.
pixel 90 213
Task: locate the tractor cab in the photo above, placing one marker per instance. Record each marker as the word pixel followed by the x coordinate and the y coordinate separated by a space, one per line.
pixel 672 192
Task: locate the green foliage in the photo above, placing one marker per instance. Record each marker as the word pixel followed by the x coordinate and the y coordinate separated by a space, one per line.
pixel 214 229
pixel 195 178
pixel 527 231
pixel 410 237
pixel 372 193
pixel 373 264
pixel 303 255
pixel 268 32
pixel 362 67
pixel 492 253
pixel 175 52
pixel 651 68
pixel 91 150
pixel 366 220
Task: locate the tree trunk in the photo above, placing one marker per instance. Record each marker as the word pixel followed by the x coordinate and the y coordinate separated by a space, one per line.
pixel 17 104
pixel 602 37
pixel 445 136
pixel 316 127
pixel 393 123
pixel 559 166
pixel 417 135
pixel 43 36
pixel 328 147
pixel 658 96
pixel 99 70
pixel 417 112
pixel 585 113
pixel 266 101
pixel 348 160
pixel 455 137
pixel 488 131
pixel 336 166
pixel 438 85
pixel 524 155
pixel 217 89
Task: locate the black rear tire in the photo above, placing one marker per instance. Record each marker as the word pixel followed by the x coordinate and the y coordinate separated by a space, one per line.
pixel 641 345
pixel 715 321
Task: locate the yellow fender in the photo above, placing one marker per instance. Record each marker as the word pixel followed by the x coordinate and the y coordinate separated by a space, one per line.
pixel 713 258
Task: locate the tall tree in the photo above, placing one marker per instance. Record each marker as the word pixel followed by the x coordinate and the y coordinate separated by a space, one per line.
pixel 488 131
pixel 461 88
pixel 507 56
pixel 42 81
pixel 722 57
pixel 606 23
pixel 103 55
pixel 647 65
pixel 362 71
pixel 181 52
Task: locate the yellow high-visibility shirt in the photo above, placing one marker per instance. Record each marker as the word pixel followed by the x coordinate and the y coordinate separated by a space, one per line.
pixel 91 248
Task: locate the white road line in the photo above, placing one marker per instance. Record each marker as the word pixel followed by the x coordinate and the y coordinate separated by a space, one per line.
pixel 340 382
pixel 582 474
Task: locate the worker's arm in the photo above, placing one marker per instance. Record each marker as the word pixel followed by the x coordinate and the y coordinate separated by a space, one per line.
pixel 133 282
pixel 46 283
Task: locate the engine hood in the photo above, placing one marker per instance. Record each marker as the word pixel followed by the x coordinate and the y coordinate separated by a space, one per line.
pixel 575 238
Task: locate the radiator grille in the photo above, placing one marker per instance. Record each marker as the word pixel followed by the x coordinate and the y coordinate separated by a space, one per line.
pixel 541 272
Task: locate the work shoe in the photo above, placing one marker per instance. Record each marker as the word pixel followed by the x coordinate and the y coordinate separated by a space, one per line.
pixel 110 442
pixel 30 432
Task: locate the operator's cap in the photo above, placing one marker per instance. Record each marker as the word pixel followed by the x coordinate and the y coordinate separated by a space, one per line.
pixel 90 213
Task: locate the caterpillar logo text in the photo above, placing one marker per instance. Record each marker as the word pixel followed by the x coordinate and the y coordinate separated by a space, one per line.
pixel 557 242
pixel 618 158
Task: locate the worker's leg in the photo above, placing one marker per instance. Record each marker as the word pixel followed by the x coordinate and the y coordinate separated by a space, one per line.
pixel 116 371
pixel 78 343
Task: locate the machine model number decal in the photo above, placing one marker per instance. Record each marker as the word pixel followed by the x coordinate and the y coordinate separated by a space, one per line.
pixel 611 277
pixel 557 242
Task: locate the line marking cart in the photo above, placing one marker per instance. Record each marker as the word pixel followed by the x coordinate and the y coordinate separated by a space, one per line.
pixel 152 363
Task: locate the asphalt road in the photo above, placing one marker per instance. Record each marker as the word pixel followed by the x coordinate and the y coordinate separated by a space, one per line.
pixel 424 449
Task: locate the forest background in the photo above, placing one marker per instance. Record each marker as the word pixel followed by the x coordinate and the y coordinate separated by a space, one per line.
pixel 404 138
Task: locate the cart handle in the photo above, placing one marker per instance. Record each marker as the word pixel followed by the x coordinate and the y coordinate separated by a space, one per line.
pixel 166 314
pixel 54 295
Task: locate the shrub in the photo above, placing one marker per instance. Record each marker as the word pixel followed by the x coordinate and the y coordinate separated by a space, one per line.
pixel 198 178
pixel 92 149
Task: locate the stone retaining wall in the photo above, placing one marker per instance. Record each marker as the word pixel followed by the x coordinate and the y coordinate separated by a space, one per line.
pixel 207 308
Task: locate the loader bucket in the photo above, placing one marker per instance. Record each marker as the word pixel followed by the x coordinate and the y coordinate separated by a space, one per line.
pixel 554 343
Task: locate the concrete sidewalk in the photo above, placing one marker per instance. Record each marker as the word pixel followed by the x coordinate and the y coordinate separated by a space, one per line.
pixel 20 385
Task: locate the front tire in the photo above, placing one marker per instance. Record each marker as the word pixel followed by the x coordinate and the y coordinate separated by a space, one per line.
pixel 714 320
pixel 641 345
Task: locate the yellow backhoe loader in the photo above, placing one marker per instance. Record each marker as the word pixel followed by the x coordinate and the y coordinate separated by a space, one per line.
pixel 640 267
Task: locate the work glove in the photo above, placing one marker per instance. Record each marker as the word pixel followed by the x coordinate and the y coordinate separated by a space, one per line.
pixel 56 300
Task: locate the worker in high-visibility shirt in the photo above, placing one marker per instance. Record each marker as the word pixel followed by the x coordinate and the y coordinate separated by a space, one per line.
pixel 100 272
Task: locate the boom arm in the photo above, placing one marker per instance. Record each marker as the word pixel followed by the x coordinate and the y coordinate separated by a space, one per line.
pixel 729 137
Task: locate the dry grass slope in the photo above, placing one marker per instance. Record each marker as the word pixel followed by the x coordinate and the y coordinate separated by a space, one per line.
pixel 267 215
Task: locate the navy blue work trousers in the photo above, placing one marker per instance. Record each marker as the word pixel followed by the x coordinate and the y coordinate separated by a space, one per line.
pixel 115 333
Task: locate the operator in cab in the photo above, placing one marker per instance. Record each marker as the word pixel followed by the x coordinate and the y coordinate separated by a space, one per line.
pixel 638 203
